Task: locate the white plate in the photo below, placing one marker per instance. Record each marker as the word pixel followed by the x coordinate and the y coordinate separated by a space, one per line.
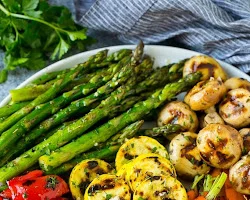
pixel 162 55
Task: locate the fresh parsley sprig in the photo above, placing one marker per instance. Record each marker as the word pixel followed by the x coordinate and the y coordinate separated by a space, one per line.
pixel 32 32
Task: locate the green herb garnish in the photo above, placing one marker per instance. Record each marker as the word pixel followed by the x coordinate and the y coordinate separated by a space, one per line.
pixel 51 182
pixel 32 31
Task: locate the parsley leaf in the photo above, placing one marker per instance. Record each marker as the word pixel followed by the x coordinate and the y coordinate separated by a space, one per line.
pixel 60 49
pixel 12 5
pixel 29 4
pixel 77 35
pixel 32 32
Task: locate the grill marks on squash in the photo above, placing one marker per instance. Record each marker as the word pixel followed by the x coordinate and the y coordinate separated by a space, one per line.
pixel 136 146
pixel 147 167
pixel 84 184
pixel 92 164
pixel 159 193
pixel 110 185
pixel 160 188
pixel 129 156
pixel 107 185
pixel 84 173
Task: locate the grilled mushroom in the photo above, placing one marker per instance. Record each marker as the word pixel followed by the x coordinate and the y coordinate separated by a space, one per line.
pixel 205 94
pixel 239 175
pixel 235 108
pixel 245 134
pixel 178 112
pixel 220 145
pixel 236 82
pixel 208 66
pixel 185 156
pixel 210 117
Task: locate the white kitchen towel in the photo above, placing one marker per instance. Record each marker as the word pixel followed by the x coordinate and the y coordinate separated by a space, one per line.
pixel 219 28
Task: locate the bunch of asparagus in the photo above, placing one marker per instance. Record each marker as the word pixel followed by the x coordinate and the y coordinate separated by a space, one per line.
pixel 84 112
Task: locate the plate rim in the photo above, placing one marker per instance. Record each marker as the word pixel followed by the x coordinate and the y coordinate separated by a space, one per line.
pixel 86 54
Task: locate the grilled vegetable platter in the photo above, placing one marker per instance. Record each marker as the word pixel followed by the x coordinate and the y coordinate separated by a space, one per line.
pixel 84 132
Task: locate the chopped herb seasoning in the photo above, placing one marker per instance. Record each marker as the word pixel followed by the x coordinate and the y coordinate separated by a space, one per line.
pixel 52 182
pixel 191 119
pixel 25 195
pixel 154 150
pixel 186 137
pixel 108 196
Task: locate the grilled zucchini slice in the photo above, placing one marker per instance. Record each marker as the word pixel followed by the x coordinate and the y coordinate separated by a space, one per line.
pixel 84 172
pixel 137 146
pixel 108 186
pixel 146 166
pixel 160 187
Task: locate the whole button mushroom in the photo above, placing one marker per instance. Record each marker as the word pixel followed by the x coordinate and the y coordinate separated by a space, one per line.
pixel 239 175
pixel 184 152
pixel 205 94
pixel 208 66
pixel 235 108
pixel 177 112
pixel 220 145
pixel 245 134
pixel 236 82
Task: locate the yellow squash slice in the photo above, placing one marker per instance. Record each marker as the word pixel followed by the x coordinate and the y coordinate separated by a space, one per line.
pixel 160 187
pixel 124 169
pixel 84 172
pixel 137 146
pixel 108 186
pixel 146 166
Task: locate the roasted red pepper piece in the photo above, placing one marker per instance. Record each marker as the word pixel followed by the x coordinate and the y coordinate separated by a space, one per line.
pixel 18 185
pixel 34 186
pixel 6 194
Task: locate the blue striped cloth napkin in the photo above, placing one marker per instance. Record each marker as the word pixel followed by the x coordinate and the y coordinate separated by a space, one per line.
pixel 219 28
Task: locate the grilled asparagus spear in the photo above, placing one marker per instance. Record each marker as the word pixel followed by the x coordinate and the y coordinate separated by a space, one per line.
pixel 67 112
pixel 110 148
pixel 40 113
pixel 101 134
pixel 7 110
pixel 43 83
pixel 53 91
